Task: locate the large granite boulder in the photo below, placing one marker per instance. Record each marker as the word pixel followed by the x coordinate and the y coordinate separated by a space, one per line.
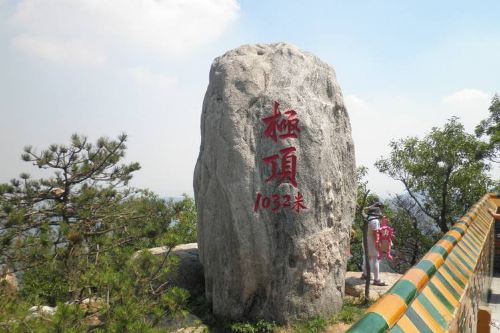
pixel 189 271
pixel 274 185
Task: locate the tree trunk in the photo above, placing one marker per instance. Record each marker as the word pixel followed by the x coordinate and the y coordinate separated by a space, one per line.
pixel 444 203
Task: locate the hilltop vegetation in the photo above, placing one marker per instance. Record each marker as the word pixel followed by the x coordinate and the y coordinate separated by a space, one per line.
pixel 74 238
pixel 70 238
pixel 443 174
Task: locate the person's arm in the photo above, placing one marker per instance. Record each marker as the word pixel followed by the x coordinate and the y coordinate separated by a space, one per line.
pixel 495 215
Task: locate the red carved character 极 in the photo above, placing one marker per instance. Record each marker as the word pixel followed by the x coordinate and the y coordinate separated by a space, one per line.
pixel 277 127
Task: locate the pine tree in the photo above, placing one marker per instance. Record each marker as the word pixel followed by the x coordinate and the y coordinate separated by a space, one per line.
pixel 81 233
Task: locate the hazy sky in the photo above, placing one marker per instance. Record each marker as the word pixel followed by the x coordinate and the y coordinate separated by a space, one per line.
pixel 100 68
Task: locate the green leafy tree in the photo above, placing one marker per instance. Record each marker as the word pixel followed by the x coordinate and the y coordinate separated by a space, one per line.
pixel 444 173
pixel 490 127
pixel 414 232
pixel 81 233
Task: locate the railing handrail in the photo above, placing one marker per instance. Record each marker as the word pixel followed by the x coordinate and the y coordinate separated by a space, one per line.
pixel 390 308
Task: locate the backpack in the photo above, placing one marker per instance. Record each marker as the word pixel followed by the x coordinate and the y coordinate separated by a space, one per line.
pixel 384 239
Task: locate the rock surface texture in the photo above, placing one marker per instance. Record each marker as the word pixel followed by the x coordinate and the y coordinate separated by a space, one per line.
pixel 275 200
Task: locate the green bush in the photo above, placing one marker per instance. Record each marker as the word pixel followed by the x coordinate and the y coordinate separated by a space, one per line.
pixel 259 327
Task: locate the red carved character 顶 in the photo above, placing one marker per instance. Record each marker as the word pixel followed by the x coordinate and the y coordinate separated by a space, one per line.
pixel 288 166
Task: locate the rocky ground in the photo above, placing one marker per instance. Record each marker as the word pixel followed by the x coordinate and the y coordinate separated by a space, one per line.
pixel 355 286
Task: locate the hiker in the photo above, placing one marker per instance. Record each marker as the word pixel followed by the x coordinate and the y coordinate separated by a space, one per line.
pixel 373 216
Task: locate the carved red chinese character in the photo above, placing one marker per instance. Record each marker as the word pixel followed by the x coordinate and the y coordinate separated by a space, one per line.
pixel 276 124
pixel 291 125
pixel 288 166
pixel 272 122
pixel 298 203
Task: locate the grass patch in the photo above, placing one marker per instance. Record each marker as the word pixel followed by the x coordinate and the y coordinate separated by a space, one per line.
pixel 349 314
pixel 261 326
pixel 315 325
pixel 352 310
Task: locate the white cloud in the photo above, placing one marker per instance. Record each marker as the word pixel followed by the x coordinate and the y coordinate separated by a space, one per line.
pixel 164 27
pixel 356 104
pixel 375 122
pixel 146 78
pixel 471 105
pixel 66 51
pixel 469 96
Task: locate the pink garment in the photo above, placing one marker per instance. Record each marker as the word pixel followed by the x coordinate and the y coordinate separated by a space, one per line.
pixel 385 235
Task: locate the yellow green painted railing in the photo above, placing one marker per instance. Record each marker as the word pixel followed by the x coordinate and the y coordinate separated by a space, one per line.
pixel 443 291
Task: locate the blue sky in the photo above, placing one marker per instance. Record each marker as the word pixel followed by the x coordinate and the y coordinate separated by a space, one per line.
pixel 387 47
pixel 141 66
